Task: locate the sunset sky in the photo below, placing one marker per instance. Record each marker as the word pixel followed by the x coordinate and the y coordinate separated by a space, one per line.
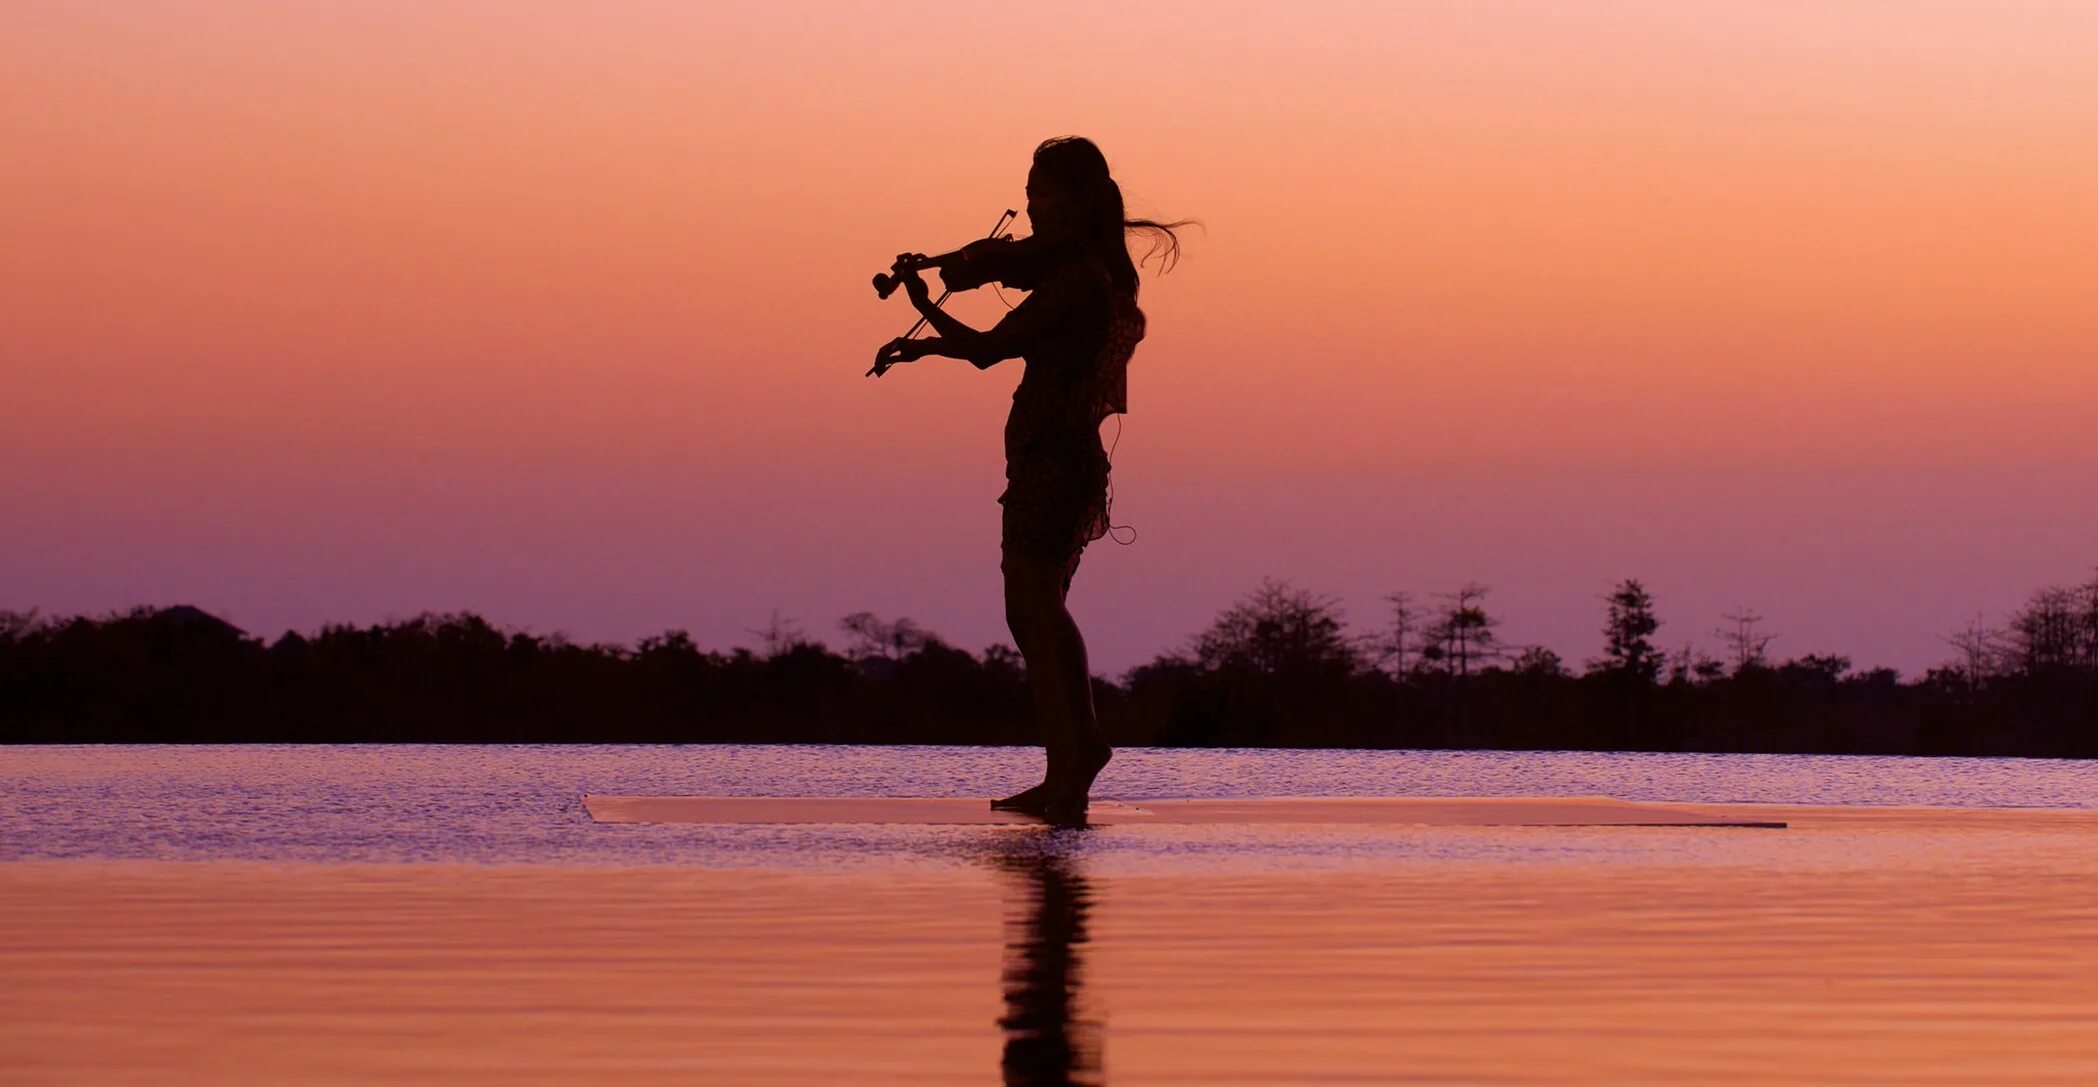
pixel 319 312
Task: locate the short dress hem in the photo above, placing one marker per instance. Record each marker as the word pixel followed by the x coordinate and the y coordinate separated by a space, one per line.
pixel 1056 495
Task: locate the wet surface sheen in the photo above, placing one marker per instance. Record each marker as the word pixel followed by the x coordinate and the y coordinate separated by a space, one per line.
pixel 431 915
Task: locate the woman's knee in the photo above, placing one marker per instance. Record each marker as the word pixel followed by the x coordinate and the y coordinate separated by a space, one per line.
pixel 1019 622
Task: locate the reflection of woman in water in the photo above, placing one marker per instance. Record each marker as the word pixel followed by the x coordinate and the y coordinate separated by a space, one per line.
pixel 1049 1040
pixel 1076 331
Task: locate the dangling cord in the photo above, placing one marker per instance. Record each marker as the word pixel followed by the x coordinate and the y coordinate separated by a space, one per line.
pixel 1108 512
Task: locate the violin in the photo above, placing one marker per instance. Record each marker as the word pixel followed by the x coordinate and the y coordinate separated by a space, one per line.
pixel 1000 258
pixel 885 283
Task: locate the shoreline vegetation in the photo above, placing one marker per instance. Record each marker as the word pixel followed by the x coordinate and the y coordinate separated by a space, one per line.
pixel 1279 668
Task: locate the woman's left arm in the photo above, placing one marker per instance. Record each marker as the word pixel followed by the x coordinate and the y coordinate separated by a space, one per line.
pixel 1042 310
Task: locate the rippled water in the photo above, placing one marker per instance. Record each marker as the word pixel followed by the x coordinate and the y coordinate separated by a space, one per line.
pixel 452 914
pixel 522 804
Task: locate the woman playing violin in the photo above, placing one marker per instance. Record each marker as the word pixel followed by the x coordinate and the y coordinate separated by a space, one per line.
pixel 1076 331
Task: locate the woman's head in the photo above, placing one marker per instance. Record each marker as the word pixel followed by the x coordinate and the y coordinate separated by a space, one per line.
pixel 1069 192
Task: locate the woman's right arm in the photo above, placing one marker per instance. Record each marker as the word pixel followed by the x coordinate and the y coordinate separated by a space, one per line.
pixel 1046 309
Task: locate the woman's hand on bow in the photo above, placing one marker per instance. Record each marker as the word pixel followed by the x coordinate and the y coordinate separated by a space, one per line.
pixel 895 351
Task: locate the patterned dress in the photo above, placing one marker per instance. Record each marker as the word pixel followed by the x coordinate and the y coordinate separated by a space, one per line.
pixel 1056 496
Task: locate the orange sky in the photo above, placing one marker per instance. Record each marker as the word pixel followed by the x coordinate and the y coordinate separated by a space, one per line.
pixel 559 312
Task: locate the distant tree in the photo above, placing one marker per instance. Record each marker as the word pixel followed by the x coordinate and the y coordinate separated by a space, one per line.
pixel 1691 664
pixel 1828 667
pixel 1628 648
pixel 1948 678
pixel 1169 667
pixel 879 640
pixel 2088 626
pixel 1538 662
pixel 779 636
pixel 1277 630
pixel 16 626
pixel 1744 642
pixel 1002 656
pixel 1400 641
pixel 1463 633
pixel 673 643
pixel 2045 635
pixel 1980 647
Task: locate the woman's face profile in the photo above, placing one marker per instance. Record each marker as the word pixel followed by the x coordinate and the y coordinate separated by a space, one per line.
pixel 1049 208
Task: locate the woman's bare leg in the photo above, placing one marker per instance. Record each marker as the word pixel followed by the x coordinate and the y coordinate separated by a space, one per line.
pixel 1060 683
pixel 1025 615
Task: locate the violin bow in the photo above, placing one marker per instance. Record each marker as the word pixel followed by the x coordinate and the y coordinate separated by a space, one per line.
pixel 997 231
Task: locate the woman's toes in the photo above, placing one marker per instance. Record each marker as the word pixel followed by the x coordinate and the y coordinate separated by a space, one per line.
pixel 1025 799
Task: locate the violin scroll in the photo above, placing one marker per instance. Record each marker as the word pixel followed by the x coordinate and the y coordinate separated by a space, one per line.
pixel 885 283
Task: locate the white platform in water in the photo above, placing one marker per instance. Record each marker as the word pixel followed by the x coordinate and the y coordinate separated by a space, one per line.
pixel 1543 811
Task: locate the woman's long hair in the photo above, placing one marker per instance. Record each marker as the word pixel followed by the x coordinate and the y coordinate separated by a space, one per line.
pixel 1076 164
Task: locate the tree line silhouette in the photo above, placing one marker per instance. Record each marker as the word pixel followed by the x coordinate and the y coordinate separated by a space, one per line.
pixel 1279 667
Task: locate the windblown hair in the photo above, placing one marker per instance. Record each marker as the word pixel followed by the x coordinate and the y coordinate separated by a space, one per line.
pixel 1076 164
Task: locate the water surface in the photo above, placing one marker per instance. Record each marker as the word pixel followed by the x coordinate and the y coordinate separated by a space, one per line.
pixel 522 804
pixel 445 915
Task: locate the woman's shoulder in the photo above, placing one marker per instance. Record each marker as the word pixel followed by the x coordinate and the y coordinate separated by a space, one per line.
pixel 1083 290
pixel 1086 275
pixel 1088 281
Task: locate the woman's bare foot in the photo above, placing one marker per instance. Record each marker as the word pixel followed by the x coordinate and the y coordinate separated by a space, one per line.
pixel 1070 795
pixel 1066 808
pixel 1032 800
pixel 1037 799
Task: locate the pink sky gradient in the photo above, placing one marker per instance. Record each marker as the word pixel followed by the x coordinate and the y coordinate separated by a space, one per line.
pixel 558 312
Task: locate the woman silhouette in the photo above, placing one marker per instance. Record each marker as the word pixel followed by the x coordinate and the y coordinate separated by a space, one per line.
pixel 1076 331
